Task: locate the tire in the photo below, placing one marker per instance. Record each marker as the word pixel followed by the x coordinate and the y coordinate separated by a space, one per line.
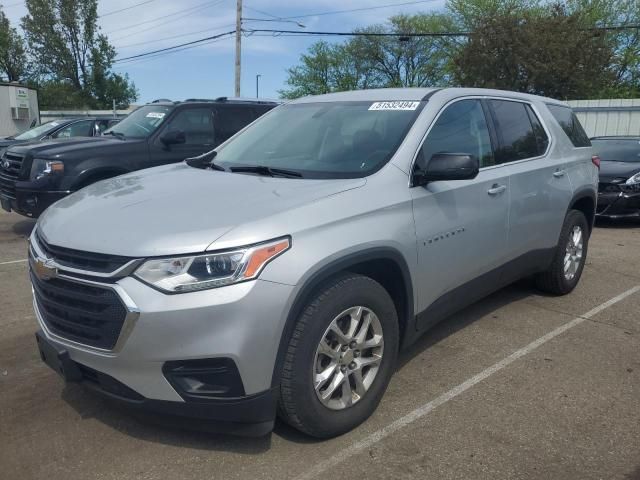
pixel 554 280
pixel 337 301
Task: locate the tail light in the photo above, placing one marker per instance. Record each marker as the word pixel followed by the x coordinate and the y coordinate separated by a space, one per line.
pixel 596 161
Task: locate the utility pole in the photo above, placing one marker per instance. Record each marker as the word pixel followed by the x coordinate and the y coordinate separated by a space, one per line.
pixel 258 85
pixel 238 44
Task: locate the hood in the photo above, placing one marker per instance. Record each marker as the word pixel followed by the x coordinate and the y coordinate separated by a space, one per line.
pixel 6 142
pixel 612 170
pixel 64 147
pixel 174 209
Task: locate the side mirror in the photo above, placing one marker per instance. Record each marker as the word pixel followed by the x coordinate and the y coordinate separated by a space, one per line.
pixel 173 137
pixel 447 166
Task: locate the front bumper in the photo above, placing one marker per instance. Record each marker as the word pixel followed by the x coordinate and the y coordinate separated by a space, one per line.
pixel 618 205
pixel 242 322
pixel 251 415
pixel 30 201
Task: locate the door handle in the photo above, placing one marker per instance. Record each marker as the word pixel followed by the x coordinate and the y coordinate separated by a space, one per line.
pixel 559 173
pixel 496 189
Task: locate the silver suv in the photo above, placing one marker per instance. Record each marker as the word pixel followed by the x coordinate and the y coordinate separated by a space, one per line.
pixel 282 272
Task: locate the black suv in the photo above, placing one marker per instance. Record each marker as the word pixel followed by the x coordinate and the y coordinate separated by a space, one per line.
pixel 34 176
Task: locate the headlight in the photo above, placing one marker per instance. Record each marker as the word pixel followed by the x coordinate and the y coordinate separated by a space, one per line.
pixel 634 180
pixel 200 272
pixel 632 185
pixel 41 168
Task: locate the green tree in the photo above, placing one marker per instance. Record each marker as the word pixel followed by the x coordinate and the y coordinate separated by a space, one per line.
pixel 65 43
pixel 13 58
pixel 408 61
pixel 327 68
pixel 549 52
pixel 370 61
pixel 625 62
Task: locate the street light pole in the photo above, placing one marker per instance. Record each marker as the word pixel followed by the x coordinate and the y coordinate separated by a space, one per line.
pixel 238 45
pixel 258 85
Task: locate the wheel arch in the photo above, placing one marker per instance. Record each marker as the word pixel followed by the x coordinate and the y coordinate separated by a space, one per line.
pixel 585 200
pixel 385 265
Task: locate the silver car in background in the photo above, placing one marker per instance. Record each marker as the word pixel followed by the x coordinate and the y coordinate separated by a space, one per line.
pixel 282 272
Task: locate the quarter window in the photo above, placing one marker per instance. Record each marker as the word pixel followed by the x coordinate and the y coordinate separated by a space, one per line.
pixel 78 129
pixel 461 128
pixel 571 125
pixel 520 133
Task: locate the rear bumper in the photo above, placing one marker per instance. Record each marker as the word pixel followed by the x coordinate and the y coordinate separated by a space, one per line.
pixel 618 205
pixel 251 415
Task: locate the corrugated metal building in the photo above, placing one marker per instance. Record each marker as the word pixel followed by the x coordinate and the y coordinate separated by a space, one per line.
pixel 18 108
pixel 608 117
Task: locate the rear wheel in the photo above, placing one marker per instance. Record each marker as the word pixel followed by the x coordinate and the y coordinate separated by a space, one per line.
pixel 569 258
pixel 340 357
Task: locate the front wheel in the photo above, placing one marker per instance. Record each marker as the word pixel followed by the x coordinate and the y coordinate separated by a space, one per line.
pixel 569 258
pixel 340 357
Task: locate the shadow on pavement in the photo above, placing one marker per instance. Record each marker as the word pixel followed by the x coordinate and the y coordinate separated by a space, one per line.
pixel 24 227
pixel 158 428
pixel 620 223
pixel 467 316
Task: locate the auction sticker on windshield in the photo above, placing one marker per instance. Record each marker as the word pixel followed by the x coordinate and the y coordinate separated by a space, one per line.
pixel 155 115
pixel 399 105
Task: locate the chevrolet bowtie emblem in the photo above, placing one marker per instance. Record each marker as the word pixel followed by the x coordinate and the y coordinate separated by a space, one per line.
pixel 44 269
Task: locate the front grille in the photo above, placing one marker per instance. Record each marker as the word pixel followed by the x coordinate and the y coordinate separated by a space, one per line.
pixel 92 262
pixel 9 175
pixel 83 313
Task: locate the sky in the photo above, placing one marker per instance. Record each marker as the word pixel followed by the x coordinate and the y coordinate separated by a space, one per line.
pixel 208 70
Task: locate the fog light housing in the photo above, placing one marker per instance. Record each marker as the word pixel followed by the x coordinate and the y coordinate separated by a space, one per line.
pixel 204 378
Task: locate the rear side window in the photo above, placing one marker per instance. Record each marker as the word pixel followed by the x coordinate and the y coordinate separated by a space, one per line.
pixel 570 124
pixel 520 132
pixel 196 123
pixel 232 119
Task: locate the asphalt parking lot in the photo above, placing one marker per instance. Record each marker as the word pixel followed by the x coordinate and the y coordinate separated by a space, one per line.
pixel 519 385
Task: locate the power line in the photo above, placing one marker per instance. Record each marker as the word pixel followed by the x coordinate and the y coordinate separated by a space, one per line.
pixel 185 12
pixel 362 9
pixel 172 37
pixel 296 33
pixel 161 54
pixel 113 12
pixel 117 60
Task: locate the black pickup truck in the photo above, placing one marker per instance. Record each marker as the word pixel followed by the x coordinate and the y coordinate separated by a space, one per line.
pixel 35 175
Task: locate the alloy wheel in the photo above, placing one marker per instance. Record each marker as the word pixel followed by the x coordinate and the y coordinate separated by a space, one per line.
pixel 348 358
pixel 573 253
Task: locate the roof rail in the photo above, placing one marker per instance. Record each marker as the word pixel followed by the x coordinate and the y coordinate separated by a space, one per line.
pixel 246 99
pixel 162 100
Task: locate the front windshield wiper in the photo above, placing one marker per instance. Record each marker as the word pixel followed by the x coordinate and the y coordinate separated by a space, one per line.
pixel 266 171
pixel 115 134
pixel 205 161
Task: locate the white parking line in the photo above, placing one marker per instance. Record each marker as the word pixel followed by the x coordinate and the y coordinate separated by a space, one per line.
pixel 13 261
pixel 425 409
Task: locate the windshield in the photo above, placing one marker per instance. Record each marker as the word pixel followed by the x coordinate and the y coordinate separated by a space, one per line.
pixel 618 150
pixel 323 140
pixel 37 132
pixel 140 123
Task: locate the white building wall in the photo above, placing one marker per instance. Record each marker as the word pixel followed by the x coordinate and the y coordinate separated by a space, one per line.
pixel 9 126
pixel 609 116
